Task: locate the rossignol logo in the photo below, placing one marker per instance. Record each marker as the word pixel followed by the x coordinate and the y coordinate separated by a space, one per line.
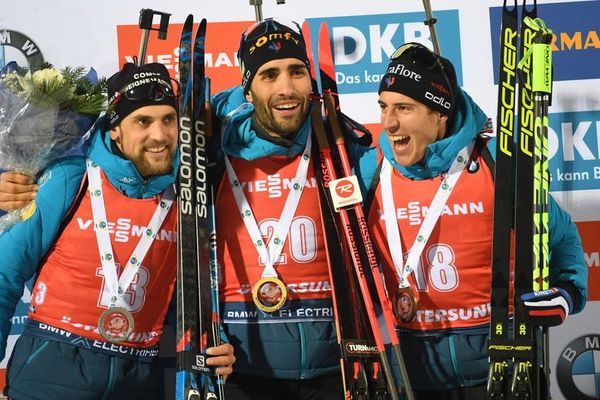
pixel 344 188
pixel 401 70
pixel 275 185
pixel 438 100
pixel 122 230
pixel 578 368
pixel 272 37
pixel 414 212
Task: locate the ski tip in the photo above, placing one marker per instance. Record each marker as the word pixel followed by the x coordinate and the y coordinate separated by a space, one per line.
pixel 323 27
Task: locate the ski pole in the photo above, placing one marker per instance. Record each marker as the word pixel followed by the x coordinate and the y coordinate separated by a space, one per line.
pixel 354 251
pixel 430 22
pixel 541 58
pixel 386 307
pixel 257 9
pixel 331 102
pixel 145 23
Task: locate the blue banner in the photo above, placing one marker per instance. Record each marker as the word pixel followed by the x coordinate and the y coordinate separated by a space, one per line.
pixel 362 44
pixel 574 150
pixel 576 42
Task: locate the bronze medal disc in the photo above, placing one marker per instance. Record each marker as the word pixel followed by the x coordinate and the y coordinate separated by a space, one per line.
pixel 405 304
pixel 115 324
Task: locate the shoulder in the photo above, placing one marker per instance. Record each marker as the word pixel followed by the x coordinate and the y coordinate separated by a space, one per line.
pixel 227 101
pixel 59 183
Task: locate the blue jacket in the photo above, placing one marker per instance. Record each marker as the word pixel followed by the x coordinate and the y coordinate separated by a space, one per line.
pixel 30 240
pixel 450 359
pixel 295 350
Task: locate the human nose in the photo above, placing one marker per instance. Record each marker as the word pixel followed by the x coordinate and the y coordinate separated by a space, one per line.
pixel 389 122
pixel 285 85
pixel 159 131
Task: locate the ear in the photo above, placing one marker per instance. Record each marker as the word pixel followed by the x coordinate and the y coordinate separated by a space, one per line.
pixel 249 97
pixel 115 134
pixel 443 125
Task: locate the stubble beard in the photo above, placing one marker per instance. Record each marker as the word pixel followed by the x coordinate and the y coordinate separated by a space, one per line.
pixel 282 127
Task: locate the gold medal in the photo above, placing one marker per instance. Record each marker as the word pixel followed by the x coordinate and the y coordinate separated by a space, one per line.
pixel 269 294
pixel 405 304
pixel 115 324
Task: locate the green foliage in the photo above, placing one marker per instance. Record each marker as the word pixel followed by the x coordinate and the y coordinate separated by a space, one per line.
pixel 65 90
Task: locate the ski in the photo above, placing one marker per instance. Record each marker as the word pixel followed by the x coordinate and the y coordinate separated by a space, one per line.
pixel 537 56
pixel 498 347
pixel 525 380
pixel 520 202
pixel 357 348
pixel 195 332
pixel 354 224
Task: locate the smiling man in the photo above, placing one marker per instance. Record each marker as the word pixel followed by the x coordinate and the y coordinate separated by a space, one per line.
pixel 434 157
pixel 284 337
pixel 102 290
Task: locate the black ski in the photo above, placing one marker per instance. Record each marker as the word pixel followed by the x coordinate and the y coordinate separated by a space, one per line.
pixel 359 246
pixel 525 379
pixel 499 347
pixel 194 379
pixel 521 193
pixel 357 348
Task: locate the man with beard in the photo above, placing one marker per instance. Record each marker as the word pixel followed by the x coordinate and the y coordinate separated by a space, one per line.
pixel 275 289
pixel 276 294
pixel 101 236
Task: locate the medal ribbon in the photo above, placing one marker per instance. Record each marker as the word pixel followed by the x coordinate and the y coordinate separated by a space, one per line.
pixel 269 254
pixel 118 285
pixel 433 214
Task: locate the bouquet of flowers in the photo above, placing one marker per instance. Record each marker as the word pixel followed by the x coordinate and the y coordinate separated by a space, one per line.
pixel 43 115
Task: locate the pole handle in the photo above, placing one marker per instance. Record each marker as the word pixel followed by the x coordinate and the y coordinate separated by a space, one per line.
pixel 145 24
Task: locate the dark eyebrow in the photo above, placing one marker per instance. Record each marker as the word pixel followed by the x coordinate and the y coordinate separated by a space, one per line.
pixel 297 65
pixel 401 103
pixel 269 71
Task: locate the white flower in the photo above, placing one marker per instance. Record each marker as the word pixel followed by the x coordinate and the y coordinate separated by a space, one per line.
pixel 47 76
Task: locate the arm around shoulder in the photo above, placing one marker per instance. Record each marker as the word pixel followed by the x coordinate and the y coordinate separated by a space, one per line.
pixel 30 240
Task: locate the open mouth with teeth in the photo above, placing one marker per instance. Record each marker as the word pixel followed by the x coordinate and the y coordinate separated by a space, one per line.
pixel 157 151
pixel 286 107
pixel 400 142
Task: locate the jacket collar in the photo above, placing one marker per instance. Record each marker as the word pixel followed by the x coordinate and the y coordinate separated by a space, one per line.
pixel 122 173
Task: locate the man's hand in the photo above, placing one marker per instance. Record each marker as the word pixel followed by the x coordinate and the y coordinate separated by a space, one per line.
pixel 16 190
pixel 221 357
pixel 547 307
